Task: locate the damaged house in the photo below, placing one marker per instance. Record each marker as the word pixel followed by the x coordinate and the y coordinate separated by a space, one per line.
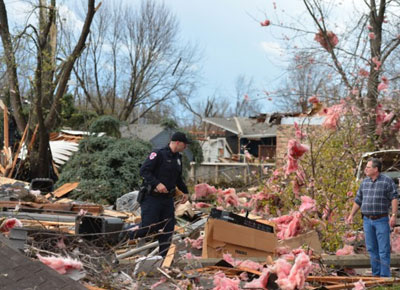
pixel 156 134
pixel 256 135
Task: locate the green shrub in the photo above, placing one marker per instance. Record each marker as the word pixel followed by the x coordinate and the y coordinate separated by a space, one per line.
pixel 106 168
pixel 106 124
pixel 79 120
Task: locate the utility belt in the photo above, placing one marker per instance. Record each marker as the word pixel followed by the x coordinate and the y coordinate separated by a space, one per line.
pixel 147 189
pixel 171 193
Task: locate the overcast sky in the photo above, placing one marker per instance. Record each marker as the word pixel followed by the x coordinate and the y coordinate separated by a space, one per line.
pixel 229 34
pixel 233 43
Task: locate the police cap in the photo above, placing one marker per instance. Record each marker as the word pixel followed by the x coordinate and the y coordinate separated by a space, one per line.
pixel 181 137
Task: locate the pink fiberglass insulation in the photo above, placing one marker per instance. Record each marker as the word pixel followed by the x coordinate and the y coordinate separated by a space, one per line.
pixel 221 282
pixel 242 263
pixel 198 205
pixel 203 190
pixel 395 240
pixel 327 41
pixel 61 265
pixel 295 277
pixel 345 251
pixel 195 243
pixel 290 229
pixel 307 204
pixel 360 285
pixel 162 281
pixel 261 282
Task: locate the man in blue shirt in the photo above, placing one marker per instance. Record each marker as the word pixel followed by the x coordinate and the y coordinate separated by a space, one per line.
pixel 376 194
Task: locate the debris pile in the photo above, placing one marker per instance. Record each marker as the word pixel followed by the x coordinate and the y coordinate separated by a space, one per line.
pixel 87 243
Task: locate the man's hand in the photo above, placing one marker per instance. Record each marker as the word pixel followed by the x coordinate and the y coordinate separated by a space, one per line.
pixel 349 219
pixel 185 198
pixel 392 221
pixel 161 188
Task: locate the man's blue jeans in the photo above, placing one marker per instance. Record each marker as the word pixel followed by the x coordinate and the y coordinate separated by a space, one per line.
pixel 377 240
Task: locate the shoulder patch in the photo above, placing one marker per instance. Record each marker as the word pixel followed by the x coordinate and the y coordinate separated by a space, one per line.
pixel 152 155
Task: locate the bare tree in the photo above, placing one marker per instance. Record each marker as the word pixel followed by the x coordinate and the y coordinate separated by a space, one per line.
pixel 134 60
pixel 358 51
pixel 49 77
pixel 246 103
pixel 307 78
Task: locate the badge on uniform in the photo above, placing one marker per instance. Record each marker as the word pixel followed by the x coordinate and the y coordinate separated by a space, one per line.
pixel 152 155
pixel 179 162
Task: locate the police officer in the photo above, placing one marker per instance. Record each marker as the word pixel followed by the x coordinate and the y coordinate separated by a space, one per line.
pixel 163 171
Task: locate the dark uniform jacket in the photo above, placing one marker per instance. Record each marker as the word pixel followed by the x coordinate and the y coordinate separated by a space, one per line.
pixel 163 166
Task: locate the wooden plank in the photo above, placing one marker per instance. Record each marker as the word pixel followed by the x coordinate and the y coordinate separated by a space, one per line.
pixel 367 284
pixel 55 169
pixel 65 188
pixel 115 213
pixel 341 279
pixel 352 261
pixel 33 138
pixel 47 223
pixel 21 142
pixel 93 209
pixel 226 270
pixel 169 257
pixel 2 169
pixel 6 136
pixel 44 206
pixel 355 261
pixel 5 180
pixel 90 287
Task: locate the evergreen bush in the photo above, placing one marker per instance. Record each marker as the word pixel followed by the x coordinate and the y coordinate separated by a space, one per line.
pixel 106 124
pixel 105 167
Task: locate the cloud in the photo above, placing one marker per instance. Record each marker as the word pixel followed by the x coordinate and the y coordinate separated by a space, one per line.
pixel 70 18
pixel 273 48
pixel 18 11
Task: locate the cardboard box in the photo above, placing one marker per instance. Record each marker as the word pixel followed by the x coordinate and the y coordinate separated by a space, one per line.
pixel 309 239
pixel 240 241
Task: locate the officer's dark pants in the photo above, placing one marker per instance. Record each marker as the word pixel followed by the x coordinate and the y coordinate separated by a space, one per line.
pixel 158 213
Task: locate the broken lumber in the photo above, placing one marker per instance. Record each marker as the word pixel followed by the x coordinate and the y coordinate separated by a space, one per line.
pixel 16 155
pixel 212 261
pixel 170 256
pixel 145 247
pixel 351 261
pixel 355 261
pixel 370 283
pixel 65 188
pixel 5 180
pixel 37 216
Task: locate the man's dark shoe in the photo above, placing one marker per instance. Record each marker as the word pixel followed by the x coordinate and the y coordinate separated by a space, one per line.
pixel 123 235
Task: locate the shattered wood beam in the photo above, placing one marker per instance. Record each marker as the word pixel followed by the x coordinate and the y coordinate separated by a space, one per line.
pixel 380 282
pixel 355 261
pixel 16 155
pixel 170 256
pixel 212 261
pixel 38 216
pixel 145 247
pixel 341 279
pixel 65 188
pixel 6 136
